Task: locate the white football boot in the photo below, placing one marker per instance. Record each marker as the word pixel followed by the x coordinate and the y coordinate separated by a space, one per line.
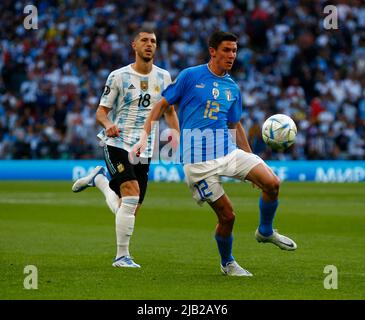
pixel 234 269
pixel 278 239
pixel 88 181
pixel 125 262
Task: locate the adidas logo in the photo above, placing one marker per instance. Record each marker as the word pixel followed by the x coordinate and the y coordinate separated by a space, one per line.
pixel 131 86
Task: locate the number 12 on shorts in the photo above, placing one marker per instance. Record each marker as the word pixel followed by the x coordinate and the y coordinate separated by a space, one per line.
pixel 202 187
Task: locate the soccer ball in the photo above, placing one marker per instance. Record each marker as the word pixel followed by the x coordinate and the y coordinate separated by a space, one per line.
pixel 279 132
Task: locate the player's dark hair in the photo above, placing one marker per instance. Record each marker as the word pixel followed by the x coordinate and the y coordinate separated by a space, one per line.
pixel 219 36
pixel 142 29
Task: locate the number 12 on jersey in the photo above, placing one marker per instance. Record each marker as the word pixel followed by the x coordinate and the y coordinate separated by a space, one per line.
pixel 211 109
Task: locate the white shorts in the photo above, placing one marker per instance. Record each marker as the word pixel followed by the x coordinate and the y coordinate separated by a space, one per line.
pixel 204 178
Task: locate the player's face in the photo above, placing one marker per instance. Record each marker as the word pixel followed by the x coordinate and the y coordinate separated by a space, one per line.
pixel 145 46
pixel 224 55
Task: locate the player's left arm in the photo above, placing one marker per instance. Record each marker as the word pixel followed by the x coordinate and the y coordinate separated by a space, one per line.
pixel 241 137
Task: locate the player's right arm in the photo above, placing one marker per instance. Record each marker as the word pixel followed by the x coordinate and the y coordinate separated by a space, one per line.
pixel 107 102
pixel 157 111
pixel 111 130
pixel 170 96
pixel 241 137
pixel 234 116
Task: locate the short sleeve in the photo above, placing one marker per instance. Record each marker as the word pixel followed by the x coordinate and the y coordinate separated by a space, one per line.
pixel 235 112
pixel 175 90
pixel 110 91
pixel 167 79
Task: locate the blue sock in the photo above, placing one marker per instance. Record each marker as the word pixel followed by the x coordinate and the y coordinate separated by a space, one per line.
pixel 225 248
pixel 267 214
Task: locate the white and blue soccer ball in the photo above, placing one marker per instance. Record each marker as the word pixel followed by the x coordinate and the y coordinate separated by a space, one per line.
pixel 279 131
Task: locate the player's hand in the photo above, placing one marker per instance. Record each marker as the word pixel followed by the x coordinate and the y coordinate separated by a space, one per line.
pixel 141 145
pixel 175 137
pixel 112 131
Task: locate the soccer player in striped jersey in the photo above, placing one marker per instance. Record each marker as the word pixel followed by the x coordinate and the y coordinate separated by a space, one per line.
pixel 209 106
pixel 126 102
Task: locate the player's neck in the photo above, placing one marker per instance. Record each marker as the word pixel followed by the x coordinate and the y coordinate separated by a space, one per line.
pixel 142 67
pixel 215 69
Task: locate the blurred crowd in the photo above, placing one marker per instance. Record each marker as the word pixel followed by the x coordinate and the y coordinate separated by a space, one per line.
pixel 288 62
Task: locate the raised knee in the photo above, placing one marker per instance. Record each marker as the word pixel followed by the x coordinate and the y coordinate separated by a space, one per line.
pixel 228 217
pixel 273 186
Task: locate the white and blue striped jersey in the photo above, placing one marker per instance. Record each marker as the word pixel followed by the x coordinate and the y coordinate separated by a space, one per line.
pixel 130 96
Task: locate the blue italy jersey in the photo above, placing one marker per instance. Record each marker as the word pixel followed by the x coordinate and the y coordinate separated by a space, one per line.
pixel 207 103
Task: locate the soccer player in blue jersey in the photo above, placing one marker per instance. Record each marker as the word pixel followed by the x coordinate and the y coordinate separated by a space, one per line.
pixel 210 106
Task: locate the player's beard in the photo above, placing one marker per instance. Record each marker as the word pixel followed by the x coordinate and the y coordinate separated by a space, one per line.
pixel 147 59
pixel 144 58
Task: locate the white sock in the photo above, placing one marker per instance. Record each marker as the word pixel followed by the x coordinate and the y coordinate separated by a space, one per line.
pixel 111 198
pixel 124 224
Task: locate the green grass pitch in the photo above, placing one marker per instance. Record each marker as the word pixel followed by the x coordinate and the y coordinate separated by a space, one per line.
pixel 70 239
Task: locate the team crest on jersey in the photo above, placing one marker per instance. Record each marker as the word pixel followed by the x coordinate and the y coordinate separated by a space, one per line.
pixel 215 93
pixel 144 85
pixel 120 167
pixel 228 95
pixel 157 89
